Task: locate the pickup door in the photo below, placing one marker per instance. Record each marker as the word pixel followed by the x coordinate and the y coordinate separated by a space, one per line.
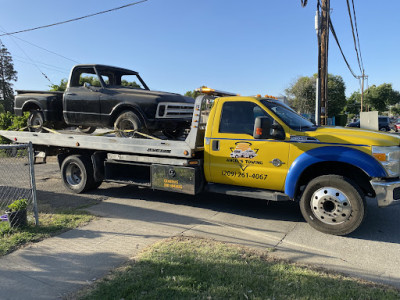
pixel 82 103
pixel 235 157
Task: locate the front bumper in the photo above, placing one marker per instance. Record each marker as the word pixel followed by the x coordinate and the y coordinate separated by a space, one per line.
pixel 387 192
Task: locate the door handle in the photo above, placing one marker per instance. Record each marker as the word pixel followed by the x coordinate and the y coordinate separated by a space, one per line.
pixel 215 145
pixel 70 94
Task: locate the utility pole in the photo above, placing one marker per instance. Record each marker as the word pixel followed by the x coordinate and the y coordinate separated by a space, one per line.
pixel 323 60
pixel 317 83
pixel 362 77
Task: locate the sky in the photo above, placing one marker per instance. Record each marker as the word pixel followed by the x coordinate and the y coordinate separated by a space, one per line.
pixel 247 47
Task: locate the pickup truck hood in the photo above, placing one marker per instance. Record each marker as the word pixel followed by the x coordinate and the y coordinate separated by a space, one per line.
pixel 341 135
pixel 161 96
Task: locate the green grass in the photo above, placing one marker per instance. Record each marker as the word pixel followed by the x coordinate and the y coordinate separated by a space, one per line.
pixel 189 268
pixel 50 225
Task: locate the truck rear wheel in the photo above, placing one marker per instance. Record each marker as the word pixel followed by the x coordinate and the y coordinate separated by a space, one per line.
pixel 127 124
pixel 173 133
pixel 333 204
pixel 77 174
pixel 87 129
pixel 36 121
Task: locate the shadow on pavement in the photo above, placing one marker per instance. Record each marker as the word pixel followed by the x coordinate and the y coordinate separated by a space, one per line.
pixel 381 224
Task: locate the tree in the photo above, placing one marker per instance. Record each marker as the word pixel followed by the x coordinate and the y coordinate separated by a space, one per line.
pixel 192 94
pixel 7 75
pixel 92 80
pixel 59 87
pixel 336 95
pixel 132 84
pixel 302 94
pixel 353 105
pixel 380 97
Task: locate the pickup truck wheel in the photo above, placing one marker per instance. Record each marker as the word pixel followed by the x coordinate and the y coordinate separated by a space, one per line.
pixel 173 133
pixel 126 124
pixel 77 173
pixel 87 129
pixel 35 121
pixel 333 204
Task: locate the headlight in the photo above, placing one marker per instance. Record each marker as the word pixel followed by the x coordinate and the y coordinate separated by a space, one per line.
pixel 389 157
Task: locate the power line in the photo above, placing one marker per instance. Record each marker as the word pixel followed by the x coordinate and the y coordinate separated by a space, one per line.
pixel 358 39
pixel 340 48
pixel 75 19
pixel 29 58
pixel 49 67
pixel 303 3
pixel 354 37
pixel 40 47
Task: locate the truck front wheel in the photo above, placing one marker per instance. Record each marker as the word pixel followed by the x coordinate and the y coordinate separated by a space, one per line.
pixel 333 204
pixel 77 173
pixel 127 124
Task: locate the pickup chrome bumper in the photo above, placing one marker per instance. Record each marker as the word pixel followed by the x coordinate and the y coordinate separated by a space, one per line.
pixel 387 192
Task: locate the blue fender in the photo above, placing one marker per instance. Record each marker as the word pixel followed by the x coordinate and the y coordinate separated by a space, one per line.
pixel 351 156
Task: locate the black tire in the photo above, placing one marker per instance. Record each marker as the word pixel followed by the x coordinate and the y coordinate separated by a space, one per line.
pixel 127 120
pixel 333 204
pixel 173 133
pixel 35 121
pixel 87 129
pixel 77 173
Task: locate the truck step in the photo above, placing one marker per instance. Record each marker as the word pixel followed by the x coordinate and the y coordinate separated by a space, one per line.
pixel 246 192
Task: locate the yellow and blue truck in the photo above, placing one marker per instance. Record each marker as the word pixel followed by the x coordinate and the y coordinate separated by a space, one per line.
pixel 255 147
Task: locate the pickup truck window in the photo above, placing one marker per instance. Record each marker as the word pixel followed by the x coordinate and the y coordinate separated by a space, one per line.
pixel 238 117
pixel 131 81
pixel 82 75
pixel 89 78
pixel 289 116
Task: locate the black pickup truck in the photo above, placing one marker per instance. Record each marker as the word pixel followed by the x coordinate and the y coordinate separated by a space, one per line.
pixel 105 96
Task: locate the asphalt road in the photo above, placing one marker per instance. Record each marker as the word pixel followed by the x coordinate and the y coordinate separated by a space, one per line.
pixel 372 252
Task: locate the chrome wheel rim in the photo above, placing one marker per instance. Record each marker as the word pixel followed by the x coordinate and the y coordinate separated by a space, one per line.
pixel 331 206
pixel 127 125
pixel 73 174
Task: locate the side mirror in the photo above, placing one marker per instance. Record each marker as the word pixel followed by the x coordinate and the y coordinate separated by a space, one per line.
pixel 86 85
pixel 265 128
pixel 262 128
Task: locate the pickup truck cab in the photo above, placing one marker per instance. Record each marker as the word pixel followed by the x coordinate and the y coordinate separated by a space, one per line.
pixel 254 147
pixel 105 96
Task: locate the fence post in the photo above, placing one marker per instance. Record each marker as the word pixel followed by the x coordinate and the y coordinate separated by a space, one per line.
pixel 31 156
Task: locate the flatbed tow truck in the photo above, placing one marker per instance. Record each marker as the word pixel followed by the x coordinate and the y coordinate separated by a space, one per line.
pixel 253 147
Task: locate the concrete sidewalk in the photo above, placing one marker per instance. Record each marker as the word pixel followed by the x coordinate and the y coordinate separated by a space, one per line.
pixel 61 265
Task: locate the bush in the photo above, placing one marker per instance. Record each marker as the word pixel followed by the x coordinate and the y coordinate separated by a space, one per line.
pixel 8 121
pixel 18 205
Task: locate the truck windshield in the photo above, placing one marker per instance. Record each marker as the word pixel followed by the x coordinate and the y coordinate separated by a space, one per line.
pixel 289 116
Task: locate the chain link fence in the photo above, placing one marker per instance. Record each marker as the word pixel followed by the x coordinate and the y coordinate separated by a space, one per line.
pixel 17 179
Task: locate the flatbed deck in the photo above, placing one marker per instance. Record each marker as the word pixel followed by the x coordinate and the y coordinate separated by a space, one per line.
pixel 169 148
pixel 140 146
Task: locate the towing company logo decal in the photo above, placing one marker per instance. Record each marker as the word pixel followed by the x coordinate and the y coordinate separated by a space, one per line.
pixel 243 154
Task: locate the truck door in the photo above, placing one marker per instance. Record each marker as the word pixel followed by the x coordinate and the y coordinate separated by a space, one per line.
pixel 82 102
pixel 236 158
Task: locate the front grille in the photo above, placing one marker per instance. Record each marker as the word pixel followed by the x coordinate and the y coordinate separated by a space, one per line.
pixel 396 193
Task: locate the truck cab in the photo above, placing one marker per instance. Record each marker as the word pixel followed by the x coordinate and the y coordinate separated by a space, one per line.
pixel 329 170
